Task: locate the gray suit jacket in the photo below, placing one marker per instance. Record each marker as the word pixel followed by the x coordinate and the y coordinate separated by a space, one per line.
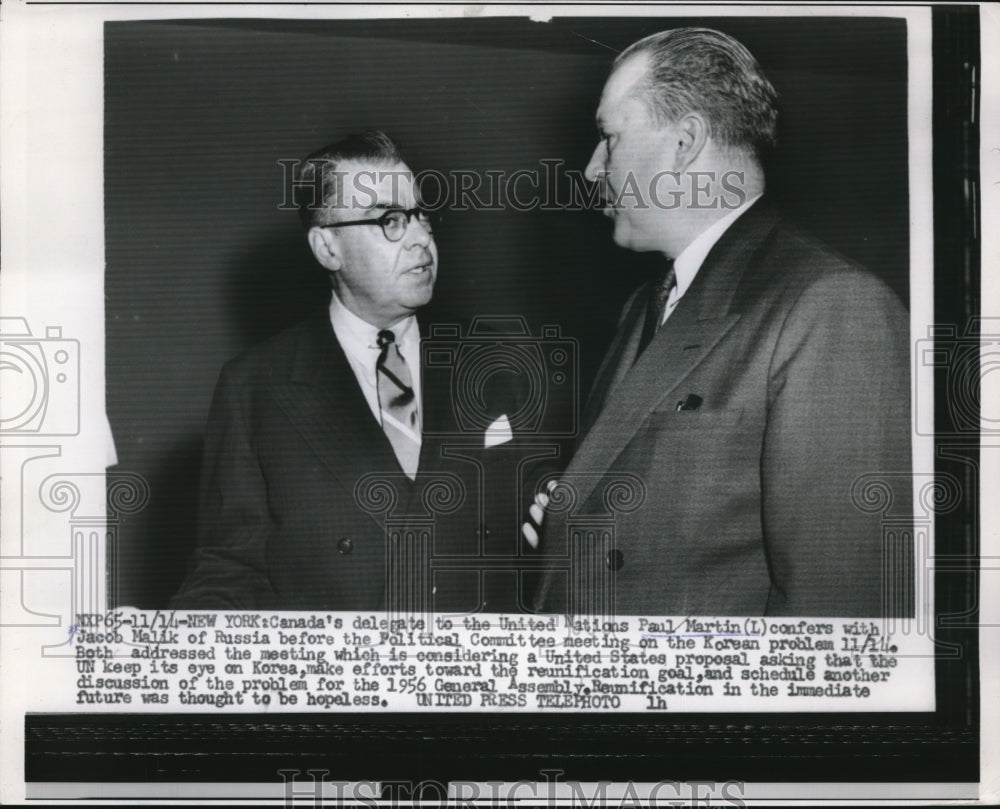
pixel 753 503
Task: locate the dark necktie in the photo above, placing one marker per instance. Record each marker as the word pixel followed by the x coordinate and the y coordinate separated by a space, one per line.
pixel 656 305
pixel 397 403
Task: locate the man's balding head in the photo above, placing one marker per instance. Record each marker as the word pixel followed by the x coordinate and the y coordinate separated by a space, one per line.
pixel 706 71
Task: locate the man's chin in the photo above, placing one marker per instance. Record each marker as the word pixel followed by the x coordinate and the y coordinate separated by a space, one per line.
pixel 622 234
pixel 628 238
pixel 422 297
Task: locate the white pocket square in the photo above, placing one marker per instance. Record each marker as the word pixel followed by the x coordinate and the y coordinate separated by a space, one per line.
pixel 498 432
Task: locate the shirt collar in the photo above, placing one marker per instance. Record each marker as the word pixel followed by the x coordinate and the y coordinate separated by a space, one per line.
pixel 358 337
pixel 687 264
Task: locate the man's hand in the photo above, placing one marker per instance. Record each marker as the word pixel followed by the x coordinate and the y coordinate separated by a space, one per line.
pixel 536 512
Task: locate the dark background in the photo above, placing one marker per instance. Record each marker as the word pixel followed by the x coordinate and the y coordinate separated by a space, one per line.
pixel 202 262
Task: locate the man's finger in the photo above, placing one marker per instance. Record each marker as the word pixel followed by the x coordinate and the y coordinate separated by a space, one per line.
pixel 530 534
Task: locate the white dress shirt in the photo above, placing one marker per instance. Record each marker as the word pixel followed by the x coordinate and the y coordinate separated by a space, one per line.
pixel 687 264
pixel 359 339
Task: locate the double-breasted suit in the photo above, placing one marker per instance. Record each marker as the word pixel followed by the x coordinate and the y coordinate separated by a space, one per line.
pixel 304 506
pixel 718 472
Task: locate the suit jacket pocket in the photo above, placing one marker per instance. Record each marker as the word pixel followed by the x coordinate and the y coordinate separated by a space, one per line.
pixel 672 419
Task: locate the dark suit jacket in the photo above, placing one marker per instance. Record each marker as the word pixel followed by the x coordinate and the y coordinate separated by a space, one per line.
pixel 757 502
pixel 304 506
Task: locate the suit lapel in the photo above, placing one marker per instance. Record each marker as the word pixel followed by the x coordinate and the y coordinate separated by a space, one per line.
pixel 324 403
pixel 437 419
pixel 617 361
pixel 702 318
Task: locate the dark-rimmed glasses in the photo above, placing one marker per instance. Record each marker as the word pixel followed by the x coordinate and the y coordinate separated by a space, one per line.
pixel 393 222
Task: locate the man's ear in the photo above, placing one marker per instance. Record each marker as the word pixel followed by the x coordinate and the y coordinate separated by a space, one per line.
pixel 325 247
pixel 689 134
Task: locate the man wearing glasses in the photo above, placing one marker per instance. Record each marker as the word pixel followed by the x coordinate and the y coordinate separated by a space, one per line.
pixel 322 486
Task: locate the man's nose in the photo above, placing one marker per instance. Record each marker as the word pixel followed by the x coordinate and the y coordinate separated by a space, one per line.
pixel 596 167
pixel 418 234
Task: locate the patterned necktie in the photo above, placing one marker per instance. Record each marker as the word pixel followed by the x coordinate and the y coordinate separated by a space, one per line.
pixel 397 403
pixel 656 306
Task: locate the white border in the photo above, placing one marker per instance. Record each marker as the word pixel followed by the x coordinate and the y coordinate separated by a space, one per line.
pixel 52 124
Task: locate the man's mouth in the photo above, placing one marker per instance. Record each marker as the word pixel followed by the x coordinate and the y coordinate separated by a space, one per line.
pixel 607 202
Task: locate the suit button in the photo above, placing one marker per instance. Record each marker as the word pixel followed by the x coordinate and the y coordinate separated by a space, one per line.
pixel 345 545
pixel 615 560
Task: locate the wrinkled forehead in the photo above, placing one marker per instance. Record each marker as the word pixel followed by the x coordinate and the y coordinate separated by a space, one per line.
pixel 618 96
pixel 369 186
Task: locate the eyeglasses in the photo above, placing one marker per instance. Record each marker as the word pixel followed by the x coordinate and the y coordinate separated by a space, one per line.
pixel 394 222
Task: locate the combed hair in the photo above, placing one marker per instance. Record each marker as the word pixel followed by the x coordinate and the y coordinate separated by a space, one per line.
pixel 372 146
pixel 706 71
